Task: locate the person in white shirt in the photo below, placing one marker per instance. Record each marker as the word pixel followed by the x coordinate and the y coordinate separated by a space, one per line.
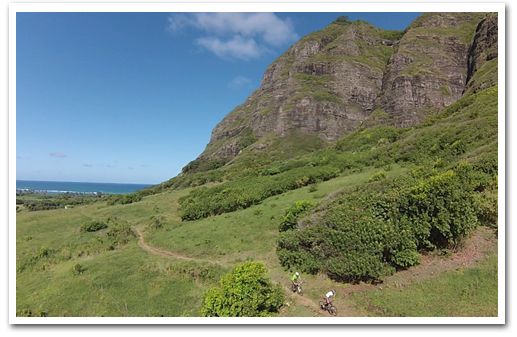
pixel 328 296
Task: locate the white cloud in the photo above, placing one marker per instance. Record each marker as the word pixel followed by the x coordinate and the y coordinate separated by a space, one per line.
pixel 236 35
pixel 239 82
pixel 266 25
pixel 237 47
pixel 178 22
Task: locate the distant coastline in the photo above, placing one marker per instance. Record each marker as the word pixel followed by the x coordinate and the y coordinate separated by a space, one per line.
pixel 60 187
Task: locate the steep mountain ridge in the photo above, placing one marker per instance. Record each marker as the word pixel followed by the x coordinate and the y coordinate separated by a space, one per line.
pixel 317 87
pixel 331 81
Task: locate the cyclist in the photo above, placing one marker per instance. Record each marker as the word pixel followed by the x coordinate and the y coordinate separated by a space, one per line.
pixel 329 295
pixel 294 280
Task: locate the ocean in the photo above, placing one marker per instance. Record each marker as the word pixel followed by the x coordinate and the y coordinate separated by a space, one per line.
pixel 56 187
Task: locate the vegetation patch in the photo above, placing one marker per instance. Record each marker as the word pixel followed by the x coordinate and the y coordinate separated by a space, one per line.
pixel 371 232
pixel 244 292
pixel 231 196
pixel 93 226
pixel 392 35
pixel 326 96
pixel 446 91
pixel 266 111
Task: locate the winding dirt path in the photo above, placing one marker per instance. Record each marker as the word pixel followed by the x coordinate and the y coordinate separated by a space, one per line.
pixel 161 252
pixel 474 250
pixel 305 301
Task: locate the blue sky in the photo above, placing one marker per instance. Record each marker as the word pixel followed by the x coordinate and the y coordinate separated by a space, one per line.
pixel 133 97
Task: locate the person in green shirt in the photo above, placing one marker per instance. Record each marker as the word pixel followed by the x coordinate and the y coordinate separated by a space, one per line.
pixel 294 280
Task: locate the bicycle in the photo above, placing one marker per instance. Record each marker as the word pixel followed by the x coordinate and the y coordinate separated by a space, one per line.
pixel 297 288
pixel 328 307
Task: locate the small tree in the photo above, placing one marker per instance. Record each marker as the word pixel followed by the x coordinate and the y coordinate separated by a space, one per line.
pixel 244 292
pixel 342 18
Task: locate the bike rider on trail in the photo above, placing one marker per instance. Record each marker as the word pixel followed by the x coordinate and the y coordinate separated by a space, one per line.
pixel 294 280
pixel 328 296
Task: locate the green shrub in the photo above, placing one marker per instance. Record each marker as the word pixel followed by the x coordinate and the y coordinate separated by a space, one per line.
pixel 442 211
pixel 93 226
pixel 342 18
pixel 377 176
pixel 244 292
pixel 77 269
pixel 293 213
pixel 487 205
pixel 120 233
pixel 155 222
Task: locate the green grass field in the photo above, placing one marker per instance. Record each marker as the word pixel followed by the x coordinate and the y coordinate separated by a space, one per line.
pixel 129 281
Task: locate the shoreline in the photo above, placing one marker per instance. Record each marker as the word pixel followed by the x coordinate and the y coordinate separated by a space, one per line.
pixel 25 187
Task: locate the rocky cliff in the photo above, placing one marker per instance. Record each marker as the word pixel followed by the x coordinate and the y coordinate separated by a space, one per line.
pixel 331 81
pixel 482 61
pixel 428 69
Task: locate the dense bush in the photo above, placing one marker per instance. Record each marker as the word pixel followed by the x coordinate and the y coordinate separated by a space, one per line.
pixel 487 205
pixel 377 176
pixel 293 213
pixel 156 222
pixel 30 313
pixel 124 199
pixel 56 201
pixel 119 233
pixel 93 226
pixel 32 258
pixel 244 292
pixel 342 18
pixel 231 196
pixel 371 231
pixel 78 269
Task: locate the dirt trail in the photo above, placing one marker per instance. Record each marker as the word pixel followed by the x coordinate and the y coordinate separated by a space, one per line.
pixel 305 301
pixel 474 250
pixel 344 308
pixel 161 252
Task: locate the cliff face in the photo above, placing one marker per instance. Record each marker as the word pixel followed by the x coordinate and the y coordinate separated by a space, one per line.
pixel 482 61
pixel 332 80
pixel 324 85
pixel 428 70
